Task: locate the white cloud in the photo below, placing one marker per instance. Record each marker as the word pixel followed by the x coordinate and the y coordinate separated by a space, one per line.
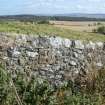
pixel 80 7
pixel 94 0
pixel 52 6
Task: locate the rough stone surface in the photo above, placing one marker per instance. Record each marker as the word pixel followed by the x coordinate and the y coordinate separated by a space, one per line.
pixel 52 58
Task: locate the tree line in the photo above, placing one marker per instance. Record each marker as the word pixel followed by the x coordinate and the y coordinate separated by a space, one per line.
pixel 33 18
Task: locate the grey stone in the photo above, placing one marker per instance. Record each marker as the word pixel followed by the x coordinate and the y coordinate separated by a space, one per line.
pixel 32 54
pixel 56 42
pixel 73 63
pixel 100 44
pixel 91 45
pixel 67 43
pixel 16 53
pixel 79 44
pixel 99 64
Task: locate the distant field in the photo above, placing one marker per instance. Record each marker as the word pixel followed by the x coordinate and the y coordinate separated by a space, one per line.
pixel 84 26
pixel 46 29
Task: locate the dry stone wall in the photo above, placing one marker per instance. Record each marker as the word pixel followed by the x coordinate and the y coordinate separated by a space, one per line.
pixel 53 58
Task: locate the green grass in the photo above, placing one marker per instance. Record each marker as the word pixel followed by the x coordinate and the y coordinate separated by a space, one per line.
pixel 45 29
pixel 19 91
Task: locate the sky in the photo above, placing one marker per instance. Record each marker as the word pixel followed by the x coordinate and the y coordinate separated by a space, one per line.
pixel 12 7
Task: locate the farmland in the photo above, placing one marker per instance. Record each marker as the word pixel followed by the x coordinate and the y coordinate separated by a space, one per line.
pixel 81 26
pixel 63 30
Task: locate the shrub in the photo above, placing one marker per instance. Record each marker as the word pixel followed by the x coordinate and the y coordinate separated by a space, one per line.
pixel 43 22
pixel 99 23
pixel 25 90
pixel 6 93
pixel 94 30
pixel 101 30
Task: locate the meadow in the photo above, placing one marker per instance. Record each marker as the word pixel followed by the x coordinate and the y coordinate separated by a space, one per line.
pixel 51 29
pixel 81 26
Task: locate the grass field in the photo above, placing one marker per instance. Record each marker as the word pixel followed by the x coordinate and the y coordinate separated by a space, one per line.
pixel 82 26
pixel 46 29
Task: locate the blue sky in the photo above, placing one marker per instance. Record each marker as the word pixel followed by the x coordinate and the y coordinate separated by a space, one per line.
pixel 10 7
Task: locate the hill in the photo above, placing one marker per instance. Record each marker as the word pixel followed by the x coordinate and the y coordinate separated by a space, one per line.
pixel 87 15
pixel 59 17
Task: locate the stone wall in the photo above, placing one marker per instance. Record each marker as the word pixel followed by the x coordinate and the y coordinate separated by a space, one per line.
pixel 53 58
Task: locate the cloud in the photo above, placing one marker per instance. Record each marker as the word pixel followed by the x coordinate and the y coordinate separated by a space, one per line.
pixel 94 0
pixel 80 7
pixel 51 6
